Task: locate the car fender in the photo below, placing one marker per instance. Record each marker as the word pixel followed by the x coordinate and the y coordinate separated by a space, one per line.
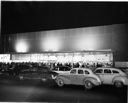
pixel 93 80
pixel 118 78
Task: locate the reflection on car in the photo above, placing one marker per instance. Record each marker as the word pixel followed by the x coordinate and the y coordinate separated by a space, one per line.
pixel 78 76
pixel 112 76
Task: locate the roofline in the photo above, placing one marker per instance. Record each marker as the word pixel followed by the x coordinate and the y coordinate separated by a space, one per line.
pixel 84 51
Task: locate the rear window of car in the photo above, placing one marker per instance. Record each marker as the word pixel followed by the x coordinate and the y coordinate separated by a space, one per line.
pixel 107 71
pixel 115 71
pixel 80 72
pixel 86 72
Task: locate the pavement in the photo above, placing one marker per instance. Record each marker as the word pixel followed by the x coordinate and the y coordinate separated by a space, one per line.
pixel 37 91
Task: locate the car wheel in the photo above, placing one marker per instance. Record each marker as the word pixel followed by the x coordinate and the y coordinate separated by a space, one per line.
pixel 60 82
pixel 118 84
pixel 88 84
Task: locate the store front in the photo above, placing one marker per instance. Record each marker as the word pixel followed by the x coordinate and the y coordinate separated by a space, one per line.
pixel 66 57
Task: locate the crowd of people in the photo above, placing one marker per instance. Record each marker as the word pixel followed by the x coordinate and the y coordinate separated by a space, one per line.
pixel 29 65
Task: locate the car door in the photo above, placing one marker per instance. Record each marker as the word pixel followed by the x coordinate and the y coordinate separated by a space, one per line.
pixel 99 72
pixel 107 77
pixel 73 76
pixel 80 77
pixel 115 73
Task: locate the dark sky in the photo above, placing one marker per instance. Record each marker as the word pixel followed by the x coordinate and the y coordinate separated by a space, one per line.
pixel 37 16
pixel 21 17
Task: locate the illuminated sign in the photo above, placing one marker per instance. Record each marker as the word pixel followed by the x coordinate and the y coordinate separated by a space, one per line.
pixel 4 57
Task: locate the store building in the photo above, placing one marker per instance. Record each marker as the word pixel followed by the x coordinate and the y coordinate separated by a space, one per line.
pixel 86 44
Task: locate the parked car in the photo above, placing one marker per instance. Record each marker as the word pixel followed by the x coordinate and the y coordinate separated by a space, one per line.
pixel 78 76
pixel 43 74
pixel 4 74
pixel 112 76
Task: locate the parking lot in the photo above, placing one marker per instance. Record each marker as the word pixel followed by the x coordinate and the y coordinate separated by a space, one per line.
pixel 37 91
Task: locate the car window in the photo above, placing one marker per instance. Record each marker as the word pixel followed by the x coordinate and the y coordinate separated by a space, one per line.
pixel 73 71
pixel 86 72
pixel 67 69
pixel 80 72
pixel 108 71
pixel 99 71
pixel 115 71
pixel 61 69
pixel 56 69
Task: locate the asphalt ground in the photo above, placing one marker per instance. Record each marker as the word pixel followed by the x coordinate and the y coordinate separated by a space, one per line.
pixel 36 91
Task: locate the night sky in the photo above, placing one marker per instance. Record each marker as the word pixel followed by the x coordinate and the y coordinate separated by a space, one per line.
pixel 22 17
pixel 37 16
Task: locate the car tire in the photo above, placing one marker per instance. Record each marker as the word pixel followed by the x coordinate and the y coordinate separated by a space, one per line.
pixel 118 84
pixel 60 82
pixel 88 84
